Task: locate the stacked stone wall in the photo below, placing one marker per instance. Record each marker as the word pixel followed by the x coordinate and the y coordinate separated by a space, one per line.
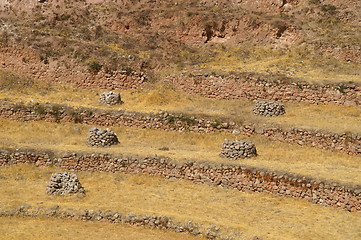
pixel 158 222
pixel 71 73
pixel 230 176
pixel 344 142
pixel 252 87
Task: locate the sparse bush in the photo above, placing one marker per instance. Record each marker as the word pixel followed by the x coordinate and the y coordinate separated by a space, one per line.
pixel 341 88
pixel 328 8
pixel 76 116
pixel 94 67
pixel 314 1
pixel 44 59
pixel 208 29
pixel 98 31
pixel 4 38
pixel 40 109
pixel 128 70
pixel 56 112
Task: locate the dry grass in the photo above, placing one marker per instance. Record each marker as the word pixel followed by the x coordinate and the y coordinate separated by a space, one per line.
pixel 12 228
pixel 277 156
pixel 331 118
pixel 253 214
pixel 299 63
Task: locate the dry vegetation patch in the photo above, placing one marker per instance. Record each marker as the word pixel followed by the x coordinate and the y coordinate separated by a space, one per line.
pixel 298 63
pixel 315 163
pixel 253 214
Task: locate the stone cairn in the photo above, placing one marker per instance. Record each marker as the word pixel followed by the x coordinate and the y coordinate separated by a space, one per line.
pixel 102 138
pixel 64 183
pixel 269 108
pixel 238 149
pixel 110 98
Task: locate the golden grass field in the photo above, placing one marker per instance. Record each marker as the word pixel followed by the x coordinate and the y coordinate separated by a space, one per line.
pixel 252 214
pixel 298 63
pixel 331 118
pixel 14 228
pixel 277 156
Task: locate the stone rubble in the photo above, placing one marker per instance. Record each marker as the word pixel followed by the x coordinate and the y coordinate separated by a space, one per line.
pixel 238 149
pixel 269 108
pixel 110 98
pixel 102 138
pixel 64 183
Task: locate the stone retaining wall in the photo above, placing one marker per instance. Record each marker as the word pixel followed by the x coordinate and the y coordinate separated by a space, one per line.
pixel 252 87
pixel 231 176
pixel 70 73
pixel 158 222
pixel 345 142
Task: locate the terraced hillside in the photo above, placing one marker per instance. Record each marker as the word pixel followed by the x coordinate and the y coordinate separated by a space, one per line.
pixel 191 76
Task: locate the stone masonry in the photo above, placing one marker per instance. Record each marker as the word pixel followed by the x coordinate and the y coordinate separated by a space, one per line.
pixel 64 183
pixel 269 108
pixel 110 98
pixel 238 149
pixel 231 175
pixel 102 138
pixel 344 142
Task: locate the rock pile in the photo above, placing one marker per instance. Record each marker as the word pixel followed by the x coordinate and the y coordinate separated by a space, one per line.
pixel 269 108
pixel 238 149
pixel 102 138
pixel 110 98
pixel 64 183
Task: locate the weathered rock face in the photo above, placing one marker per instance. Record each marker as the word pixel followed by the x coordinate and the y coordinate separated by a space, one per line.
pixel 238 149
pixel 269 108
pixel 110 98
pixel 102 138
pixel 64 183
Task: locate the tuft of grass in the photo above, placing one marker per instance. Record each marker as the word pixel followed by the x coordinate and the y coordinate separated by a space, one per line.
pixel 275 156
pixel 253 214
